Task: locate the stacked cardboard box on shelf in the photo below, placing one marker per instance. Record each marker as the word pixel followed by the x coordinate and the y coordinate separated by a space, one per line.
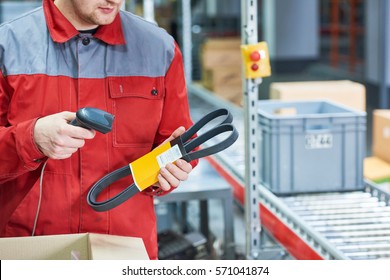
pixel 345 92
pixel 377 168
pixel 221 68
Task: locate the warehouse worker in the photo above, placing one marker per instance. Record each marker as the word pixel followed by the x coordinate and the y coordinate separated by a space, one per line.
pixel 70 54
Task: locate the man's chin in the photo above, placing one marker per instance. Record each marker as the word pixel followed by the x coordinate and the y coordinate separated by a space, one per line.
pixel 105 20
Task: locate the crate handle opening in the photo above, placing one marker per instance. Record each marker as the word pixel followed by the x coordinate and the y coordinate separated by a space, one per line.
pixel 318 128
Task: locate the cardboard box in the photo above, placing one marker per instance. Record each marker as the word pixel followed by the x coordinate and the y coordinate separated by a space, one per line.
pixel 381 134
pixel 224 82
pixel 221 52
pixel 223 43
pixel 221 68
pixel 222 76
pixel 84 246
pixel 376 170
pixel 344 92
pixel 232 94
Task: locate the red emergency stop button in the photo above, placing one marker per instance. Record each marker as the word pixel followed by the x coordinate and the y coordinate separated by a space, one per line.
pixel 255 56
pixel 256 60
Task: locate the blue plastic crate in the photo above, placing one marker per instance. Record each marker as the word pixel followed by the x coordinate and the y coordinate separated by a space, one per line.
pixel 311 146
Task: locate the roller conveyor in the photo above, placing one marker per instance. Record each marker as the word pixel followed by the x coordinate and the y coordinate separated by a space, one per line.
pixel 344 211
pixel 347 225
pixel 356 234
pixel 362 240
pixel 349 221
pixel 356 223
pixel 345 216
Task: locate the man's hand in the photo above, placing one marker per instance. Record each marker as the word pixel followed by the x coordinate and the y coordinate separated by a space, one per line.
pixel 56 139
pixel 171 174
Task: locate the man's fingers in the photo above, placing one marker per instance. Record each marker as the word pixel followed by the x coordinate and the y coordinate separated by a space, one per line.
pixel 169 181
pixel 177 171
pixel 68 142
pixel 80 132
pixel 171 175
pixel 76 131
pixel 57 139
pixel 163 183
pixel 183 165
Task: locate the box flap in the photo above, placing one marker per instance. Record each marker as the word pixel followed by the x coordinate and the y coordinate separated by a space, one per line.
pixel 112 247
pixel 385 113
pixel 50 247
pixel 223 43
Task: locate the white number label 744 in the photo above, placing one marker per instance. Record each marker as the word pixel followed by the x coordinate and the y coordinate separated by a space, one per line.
pixel 318 141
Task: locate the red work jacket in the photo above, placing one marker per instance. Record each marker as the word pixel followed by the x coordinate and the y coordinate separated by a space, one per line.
pixel 130 68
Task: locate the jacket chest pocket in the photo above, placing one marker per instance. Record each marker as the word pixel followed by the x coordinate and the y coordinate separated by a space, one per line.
pixel 137 105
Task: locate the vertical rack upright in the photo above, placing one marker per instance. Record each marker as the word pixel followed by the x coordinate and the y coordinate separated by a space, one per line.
pixel 249 35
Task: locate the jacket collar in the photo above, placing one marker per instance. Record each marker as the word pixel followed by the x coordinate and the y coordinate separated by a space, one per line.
pixel 61 30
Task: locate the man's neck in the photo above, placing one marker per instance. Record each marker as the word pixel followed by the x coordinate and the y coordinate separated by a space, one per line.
pixel 88 31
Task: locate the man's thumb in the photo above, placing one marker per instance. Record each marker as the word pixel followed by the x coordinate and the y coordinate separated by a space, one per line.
pixel 69 116
pixel 179 131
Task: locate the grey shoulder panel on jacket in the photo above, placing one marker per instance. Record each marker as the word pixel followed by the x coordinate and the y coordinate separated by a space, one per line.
pixel 26 48
pixel 20 27
pixel 20 41
pixel 146 37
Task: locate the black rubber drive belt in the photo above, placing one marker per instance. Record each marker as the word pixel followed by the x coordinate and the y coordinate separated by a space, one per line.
pixel 188 155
